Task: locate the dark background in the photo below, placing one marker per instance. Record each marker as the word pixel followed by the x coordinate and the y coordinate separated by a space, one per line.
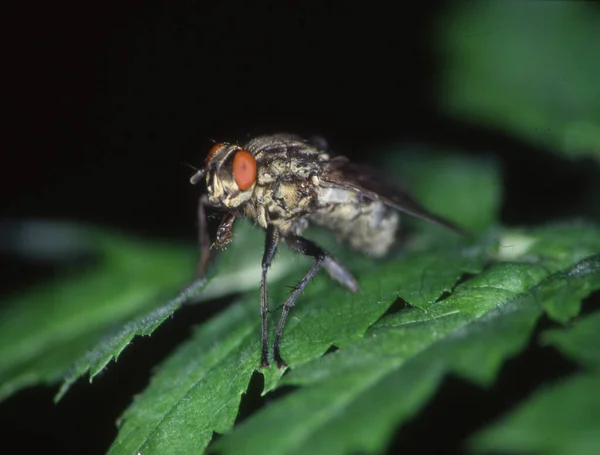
pixel 107 101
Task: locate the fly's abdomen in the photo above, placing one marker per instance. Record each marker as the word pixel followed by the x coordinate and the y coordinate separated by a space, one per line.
pixel 365 225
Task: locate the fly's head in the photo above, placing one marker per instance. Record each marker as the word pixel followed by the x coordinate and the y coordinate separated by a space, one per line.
pixel 230 174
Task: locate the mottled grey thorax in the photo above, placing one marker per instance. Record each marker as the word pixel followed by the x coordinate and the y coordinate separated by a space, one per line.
pixel 287 186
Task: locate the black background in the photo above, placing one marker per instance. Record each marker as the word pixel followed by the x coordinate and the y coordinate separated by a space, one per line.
pixel 107 101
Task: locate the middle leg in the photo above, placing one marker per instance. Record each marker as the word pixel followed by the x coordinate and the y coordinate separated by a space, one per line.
pixel 308 248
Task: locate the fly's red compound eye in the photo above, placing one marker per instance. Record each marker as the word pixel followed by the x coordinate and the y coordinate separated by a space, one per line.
pixel 244 169
pixel 212 151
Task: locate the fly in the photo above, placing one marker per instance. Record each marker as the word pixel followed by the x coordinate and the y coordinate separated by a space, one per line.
pixel 284 183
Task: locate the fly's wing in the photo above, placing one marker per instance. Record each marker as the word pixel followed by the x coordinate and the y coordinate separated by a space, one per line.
pixel 341 173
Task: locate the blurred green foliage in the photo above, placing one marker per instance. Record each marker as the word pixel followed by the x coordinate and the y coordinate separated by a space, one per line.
pixel 563 417
pixel 527 68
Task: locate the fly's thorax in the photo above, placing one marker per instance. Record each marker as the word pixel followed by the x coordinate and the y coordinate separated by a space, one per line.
pixel 286 157
pixel 282 201
pixel 287 183
pixel 296 151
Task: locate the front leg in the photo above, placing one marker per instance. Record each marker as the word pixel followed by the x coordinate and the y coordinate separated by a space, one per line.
pixel 322 258
pixel 203 238
pixel 271 243
pixel 225 230
pixel 224 234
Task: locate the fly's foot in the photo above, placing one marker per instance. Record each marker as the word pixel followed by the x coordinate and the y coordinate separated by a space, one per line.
pixel 264 358
pixel 225 230
pixel 223 237
pixel 278 360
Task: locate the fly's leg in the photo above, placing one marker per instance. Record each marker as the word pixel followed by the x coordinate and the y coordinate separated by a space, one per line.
pixel 203 239
pixel 271 242
pixel 339 273
pixel 224 232
pixel 322 259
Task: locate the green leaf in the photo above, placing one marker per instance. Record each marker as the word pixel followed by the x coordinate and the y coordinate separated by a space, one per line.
pixel 197 390
pixel 485 320
pixel 327 315
pixel 151 418
pixel 580 341
pixel 563 417
pixel 66 328
pixel 111 345
pixel 352 400
pixel 43 331
pixel 526 68
pixel 558 245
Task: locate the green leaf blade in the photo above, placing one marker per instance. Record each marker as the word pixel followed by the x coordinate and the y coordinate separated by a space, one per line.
pixel 178 400
pixel 342 390
pixel 561 418
pixel 43 332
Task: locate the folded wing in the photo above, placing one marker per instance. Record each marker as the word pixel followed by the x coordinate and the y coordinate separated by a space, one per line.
pixel 368 183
